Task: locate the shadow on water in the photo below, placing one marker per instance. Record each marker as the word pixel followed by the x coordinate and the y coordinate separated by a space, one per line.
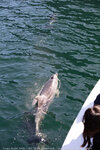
pixel 30 126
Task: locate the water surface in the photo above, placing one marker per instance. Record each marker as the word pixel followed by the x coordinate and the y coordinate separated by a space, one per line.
pixel 37 39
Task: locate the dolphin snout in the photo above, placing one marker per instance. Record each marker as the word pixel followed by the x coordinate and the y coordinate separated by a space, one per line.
pixel 56 74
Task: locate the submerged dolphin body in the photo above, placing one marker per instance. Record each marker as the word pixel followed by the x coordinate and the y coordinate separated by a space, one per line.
pixel 45 98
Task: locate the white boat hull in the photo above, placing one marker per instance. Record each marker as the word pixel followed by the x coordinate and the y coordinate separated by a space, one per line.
pixel 74 138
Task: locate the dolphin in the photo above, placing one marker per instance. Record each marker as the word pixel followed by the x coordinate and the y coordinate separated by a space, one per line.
pixel 44 99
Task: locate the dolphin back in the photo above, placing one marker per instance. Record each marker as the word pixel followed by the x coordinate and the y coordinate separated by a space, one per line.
pixel 46 88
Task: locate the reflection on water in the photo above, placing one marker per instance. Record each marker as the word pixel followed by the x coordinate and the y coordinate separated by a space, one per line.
pixel 37 39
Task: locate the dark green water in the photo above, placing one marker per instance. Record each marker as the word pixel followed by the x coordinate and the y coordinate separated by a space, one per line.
pixel 37 39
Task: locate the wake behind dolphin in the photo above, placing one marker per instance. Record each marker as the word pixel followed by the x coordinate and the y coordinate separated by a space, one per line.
pixel 44 99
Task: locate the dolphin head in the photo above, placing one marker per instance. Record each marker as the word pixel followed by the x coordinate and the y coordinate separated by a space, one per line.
pixel 54 76
pixel 54 80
